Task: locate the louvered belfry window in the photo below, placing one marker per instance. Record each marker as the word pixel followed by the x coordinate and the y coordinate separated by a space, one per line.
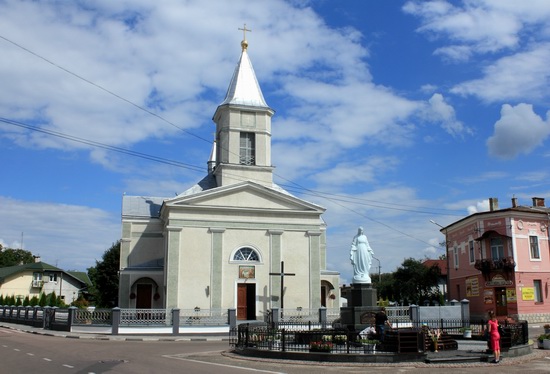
pixel 247 149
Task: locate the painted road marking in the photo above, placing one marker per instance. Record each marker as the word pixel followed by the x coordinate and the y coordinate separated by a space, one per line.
pixel 223 365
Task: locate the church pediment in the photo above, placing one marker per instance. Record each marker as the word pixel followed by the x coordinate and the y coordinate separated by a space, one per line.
pixel 246 195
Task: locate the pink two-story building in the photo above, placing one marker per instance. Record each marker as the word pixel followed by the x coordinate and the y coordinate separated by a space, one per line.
pixel 500 260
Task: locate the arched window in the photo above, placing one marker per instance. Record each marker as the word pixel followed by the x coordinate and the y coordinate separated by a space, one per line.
pixel 246 254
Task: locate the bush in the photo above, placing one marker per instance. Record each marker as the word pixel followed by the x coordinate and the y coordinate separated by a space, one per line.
pixel 80 303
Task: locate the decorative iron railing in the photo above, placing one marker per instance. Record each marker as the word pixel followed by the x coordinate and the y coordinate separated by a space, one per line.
pixel 93 317
pixel 203 317
pixel 145 317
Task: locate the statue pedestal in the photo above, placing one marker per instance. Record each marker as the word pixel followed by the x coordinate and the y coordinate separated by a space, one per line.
pixel 361 306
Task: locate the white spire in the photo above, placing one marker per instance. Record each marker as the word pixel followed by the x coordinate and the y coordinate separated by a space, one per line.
pixel 244 88
pixel 212 160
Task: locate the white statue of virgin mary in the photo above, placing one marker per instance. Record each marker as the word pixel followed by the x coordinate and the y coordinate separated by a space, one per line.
pixel 361 257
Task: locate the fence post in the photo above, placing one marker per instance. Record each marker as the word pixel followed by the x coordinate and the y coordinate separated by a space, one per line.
pixel 275 317
pixel 115 320
pixel 70 318
pixel 46 318
pixel 323 317
pixel 27 312
pixel 414 315
pixel 175 321
pixel 465 312
pixel 232 318
pixel 34 314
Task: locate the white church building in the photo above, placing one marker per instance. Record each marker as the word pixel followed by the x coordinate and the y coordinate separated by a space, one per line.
pixel 222 243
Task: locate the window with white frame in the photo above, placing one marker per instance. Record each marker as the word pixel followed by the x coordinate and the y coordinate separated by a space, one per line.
pixel 472 252
pixel 537 285
pixel 246 254
pixel 53 277
pixel 534 246
pixel 247 149
pixel 497 248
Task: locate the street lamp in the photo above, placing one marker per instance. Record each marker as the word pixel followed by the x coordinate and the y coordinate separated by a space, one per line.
pixel 379 267
pixel 448 282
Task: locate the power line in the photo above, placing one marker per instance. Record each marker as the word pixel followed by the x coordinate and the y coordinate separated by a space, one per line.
pixel 337 199
pixel 101 145
pixel 103 89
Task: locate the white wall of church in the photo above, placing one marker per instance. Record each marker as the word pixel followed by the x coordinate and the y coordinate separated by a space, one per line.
pixel 296 256
pixel 195 268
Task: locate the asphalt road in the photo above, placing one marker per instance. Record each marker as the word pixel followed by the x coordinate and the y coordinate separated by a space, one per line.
pixel 22 352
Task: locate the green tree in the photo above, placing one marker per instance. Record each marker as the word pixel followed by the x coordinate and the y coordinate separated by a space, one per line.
pixel 417 282
pixel 52 299
pixel 34 301
pixel 104 277
pixel 385 287
pixel 12 257
pixel 42 301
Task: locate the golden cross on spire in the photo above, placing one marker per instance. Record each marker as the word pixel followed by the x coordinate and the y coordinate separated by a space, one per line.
pixel 244 43
pixel 244 29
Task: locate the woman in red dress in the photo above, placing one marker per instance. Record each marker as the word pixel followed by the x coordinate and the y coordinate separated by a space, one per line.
pixel 494 336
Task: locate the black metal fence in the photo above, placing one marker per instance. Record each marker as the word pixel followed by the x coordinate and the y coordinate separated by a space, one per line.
pixel 300 337
pixel 308 337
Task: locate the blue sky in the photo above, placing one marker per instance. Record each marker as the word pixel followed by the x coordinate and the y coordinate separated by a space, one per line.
pixel 388 113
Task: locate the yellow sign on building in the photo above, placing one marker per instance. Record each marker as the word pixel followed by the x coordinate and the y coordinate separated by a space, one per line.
pixel 528 293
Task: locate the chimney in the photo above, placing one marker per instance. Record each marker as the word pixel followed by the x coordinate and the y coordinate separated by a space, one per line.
pixel 514 202
pixel 493 203
pixel 538 202
pixel 37 259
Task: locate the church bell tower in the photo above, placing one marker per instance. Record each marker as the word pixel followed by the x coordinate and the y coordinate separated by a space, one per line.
pixel 243 129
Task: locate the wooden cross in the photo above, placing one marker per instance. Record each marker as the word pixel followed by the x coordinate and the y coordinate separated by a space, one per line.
pixel 282 274
pixel 244 31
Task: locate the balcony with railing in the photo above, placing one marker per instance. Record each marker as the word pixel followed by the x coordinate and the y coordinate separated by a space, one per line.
pixel 488 266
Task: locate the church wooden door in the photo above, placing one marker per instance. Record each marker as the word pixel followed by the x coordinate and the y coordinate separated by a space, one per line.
pixel 144 296
pixel 246 307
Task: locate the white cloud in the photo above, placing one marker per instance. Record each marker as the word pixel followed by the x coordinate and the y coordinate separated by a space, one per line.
pixel 356 172
pixel 524 75
pixel 519 130
pixel 69 236
pixel 438 110
pixel 481 26
pixel 480 206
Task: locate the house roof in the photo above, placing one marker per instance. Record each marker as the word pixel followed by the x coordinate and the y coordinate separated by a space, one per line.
pixel 8 271
pixel 521 209
pixel 141 206
pixel 441 263
pixel 81 276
